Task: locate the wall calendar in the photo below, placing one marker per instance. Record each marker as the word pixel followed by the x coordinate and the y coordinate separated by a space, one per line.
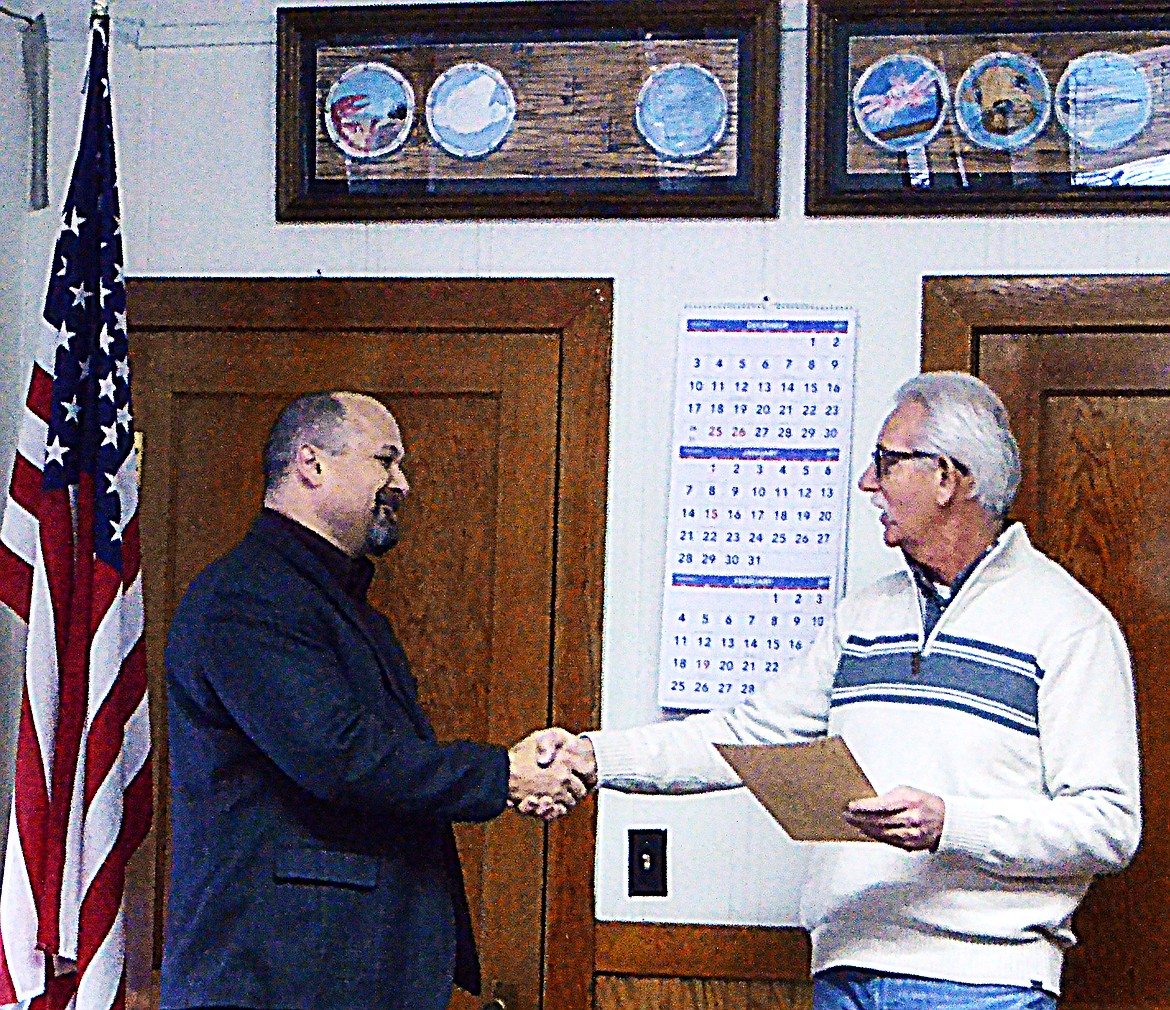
pixel 760 481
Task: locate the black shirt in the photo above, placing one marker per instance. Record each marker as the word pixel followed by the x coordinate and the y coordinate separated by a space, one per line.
pixel 354 575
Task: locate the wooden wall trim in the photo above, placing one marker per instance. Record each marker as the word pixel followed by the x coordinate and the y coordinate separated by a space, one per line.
pixel 956 309
pixel 729 952
pixel 950 347
pixel 576 690
pixel 440 304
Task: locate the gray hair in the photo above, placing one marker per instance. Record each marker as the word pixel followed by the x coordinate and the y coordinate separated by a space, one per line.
pixel 967 422
pixel 313 419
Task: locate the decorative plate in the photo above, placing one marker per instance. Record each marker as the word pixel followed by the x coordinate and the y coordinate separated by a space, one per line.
pixel 470 110
pixel 681 111
pixel 369 110
pixel 1003 101
pixel 1103 100
pixel 900 102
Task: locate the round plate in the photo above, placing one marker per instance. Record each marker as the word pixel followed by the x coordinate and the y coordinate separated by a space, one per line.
pixel 369 110
pixel 681 111
pixel 1003 101
pixel 900 102
pixel 470 110
pixel 1103 100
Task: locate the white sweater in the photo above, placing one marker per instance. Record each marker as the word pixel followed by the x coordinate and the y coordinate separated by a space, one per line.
pixel 1020 716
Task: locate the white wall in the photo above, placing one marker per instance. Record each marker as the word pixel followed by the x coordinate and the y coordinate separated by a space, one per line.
pixel 195 134
pixel 14 214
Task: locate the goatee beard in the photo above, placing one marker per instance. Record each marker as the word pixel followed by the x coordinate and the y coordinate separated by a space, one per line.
pixel 384 533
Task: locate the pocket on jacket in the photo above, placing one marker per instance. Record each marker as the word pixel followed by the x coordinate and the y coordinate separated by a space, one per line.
pixel 301 864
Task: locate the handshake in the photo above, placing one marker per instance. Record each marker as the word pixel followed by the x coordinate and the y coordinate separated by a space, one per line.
pixel 549 771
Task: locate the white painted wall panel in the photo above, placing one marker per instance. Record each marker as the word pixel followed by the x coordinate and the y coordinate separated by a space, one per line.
pixel 14 213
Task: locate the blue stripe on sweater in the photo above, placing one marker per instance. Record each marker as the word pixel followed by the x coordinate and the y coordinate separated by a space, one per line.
pixel 1023 658
pixel 865 643
pixel 999 692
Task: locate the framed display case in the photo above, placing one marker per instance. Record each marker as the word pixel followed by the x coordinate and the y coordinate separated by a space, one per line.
pixel 575 109
pixel 955 107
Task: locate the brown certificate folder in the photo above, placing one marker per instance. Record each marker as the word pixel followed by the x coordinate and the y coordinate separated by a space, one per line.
pixel 804 786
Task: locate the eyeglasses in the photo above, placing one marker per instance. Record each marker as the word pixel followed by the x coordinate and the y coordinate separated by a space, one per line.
pixel 885 459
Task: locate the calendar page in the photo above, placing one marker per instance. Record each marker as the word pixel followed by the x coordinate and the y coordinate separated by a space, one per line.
pixel 760 482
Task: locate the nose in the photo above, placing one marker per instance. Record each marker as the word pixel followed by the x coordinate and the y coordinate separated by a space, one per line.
pixel 397 479
pixel 868 481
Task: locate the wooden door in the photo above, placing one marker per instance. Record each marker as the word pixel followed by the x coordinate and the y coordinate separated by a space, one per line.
pixel 1083 366
pixel 490 416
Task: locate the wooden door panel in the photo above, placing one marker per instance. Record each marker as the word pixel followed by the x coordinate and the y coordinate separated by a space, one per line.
pixel 471 587
pixel 1090 405
pixel 280 362
pixel 448 546
pixel 1108 521
pixel 1026 368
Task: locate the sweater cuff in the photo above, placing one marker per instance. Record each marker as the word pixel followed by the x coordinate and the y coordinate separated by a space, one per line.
pixel 966 826
pixel 615 754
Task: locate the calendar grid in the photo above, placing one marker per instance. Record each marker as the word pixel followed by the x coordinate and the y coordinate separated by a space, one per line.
pixel 756 535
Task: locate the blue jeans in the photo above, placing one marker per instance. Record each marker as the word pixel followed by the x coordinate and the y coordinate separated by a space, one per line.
pixel 855 989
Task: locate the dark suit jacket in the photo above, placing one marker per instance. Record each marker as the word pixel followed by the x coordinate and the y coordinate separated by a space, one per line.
pixel 314 862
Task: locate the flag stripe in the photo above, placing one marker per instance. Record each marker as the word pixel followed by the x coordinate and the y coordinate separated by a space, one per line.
pixel 23 966
pixel 112 713
pixel 19 915
pixel 125 766
pixel 131 553
pixel 40 677
pixel 25 492
pixel 15 582
pixel 114 638
pixel 40 399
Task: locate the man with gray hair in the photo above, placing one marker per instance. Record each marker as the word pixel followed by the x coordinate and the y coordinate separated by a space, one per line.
pixel 961 683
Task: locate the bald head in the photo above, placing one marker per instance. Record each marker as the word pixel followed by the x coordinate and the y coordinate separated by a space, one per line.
pixel 333 462
pixel 313 419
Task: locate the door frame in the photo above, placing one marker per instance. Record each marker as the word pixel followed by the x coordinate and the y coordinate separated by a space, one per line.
pixel 579 313
pixel 957 309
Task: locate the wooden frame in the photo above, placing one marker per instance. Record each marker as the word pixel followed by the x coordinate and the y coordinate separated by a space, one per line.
pixel 977 107
pixel 548 109
pixel 956 310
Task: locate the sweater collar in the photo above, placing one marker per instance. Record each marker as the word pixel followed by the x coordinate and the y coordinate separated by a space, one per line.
pixel 1011 541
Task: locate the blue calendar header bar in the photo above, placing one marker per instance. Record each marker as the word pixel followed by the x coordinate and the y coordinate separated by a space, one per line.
pixel 768 325
pixel 750 581
pixel 757 452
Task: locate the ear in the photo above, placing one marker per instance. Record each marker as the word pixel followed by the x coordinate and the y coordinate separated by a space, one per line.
pixel 308 466
pixel 950 483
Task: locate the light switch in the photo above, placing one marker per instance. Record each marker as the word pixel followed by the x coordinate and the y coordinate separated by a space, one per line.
pixel 647 870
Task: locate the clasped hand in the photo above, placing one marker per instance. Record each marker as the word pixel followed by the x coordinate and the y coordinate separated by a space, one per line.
pixel 549 772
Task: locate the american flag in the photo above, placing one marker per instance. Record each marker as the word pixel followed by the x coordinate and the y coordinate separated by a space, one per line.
pixel 69 568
